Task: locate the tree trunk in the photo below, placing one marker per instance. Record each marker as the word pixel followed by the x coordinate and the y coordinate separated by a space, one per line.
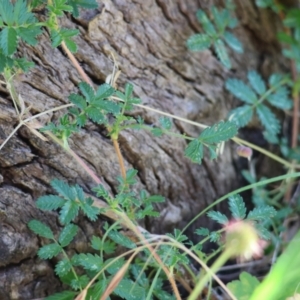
pixel 148 40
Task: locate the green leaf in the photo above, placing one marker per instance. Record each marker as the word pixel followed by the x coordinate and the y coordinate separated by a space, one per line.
pixel 240 90
pixel 221 18
pixel 121 239
pixel 165 123
pixel 241 116
pixel 129 290
pixel 67 235
pixel 268 119
pixel 7 12
pixel 275 79
pixel 243 288
pixel 202 231
pixel 87 91
pixel 237 207
pixel 208 26
pixel 233 42
pixel 78 101
pixel 8 40
pixel 49 251
pixel 71 45
pixel 40 229
pixel 63 189
pixel 280 99
pixel 198 42
pixel 29 34
pixel 66 295
pixel 63 267
pixel 218 217
pixel 263 232
pixel 3 62
pixel 88 4
pixel 95 115
pixel 91 262
pixel 50 202
pixel 222 53
pixel 219 132
pixel 262 213
pixel 23 64
pixel 257 82
pixel 57 7
pixel 107 246
pixel 80 282
pixel 194 151
pixel 104 91
pixel 292 18
pixel 56 38
pixel 90 211
pixel 68 212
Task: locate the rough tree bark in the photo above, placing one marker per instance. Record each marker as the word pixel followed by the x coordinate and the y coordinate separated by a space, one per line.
pixel 148 38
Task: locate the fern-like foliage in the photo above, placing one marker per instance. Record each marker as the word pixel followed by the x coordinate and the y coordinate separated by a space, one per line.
pixel 215 33
pixel 210 138
pixel 256 96
pixel 238 211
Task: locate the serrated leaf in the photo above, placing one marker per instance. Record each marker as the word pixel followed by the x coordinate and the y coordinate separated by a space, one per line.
pixel 218 217
pixel 88 4
pixel 165 123
pixel 208 26
pixel 104 91
pixel 66 295
pixel 244 287
pixel 262 213
pixel 121 239
pixel 237 207
pixel 95 115
pixel 91 262
pixel 263 232
pixel 222 53
pixel 275 79
pixel 63 267
pixel 78 101
pixel 56 38
pixel 90 211
pixel 221 18
pixel 114 267
pixel 241 116
pixel 242 91
pixel 129 290
pixel 214 237
pixel 49 251
pixel 233 42
pixel 107 106
pixel 202 231
pixel 50 202
pixel 68 212
pixel 22 63
pixel 198 42
pixel 87 91
pixel 268 119
pixel 7 12
pixel 80 282
pixel 29 34
pixel 220 132
pixel 40 229
pixel 71 45
pixel 257 82
pixel 8 40
pixel 194 151
pixel 63 189
pixel 67 235
pixel 280 99
pixel 107 246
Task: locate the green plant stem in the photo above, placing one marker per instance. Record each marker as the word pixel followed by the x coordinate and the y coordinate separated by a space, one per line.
pixel 213 269
pixel 240 190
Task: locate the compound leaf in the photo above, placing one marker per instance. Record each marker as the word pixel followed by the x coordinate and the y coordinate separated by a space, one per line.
pixel 262 213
